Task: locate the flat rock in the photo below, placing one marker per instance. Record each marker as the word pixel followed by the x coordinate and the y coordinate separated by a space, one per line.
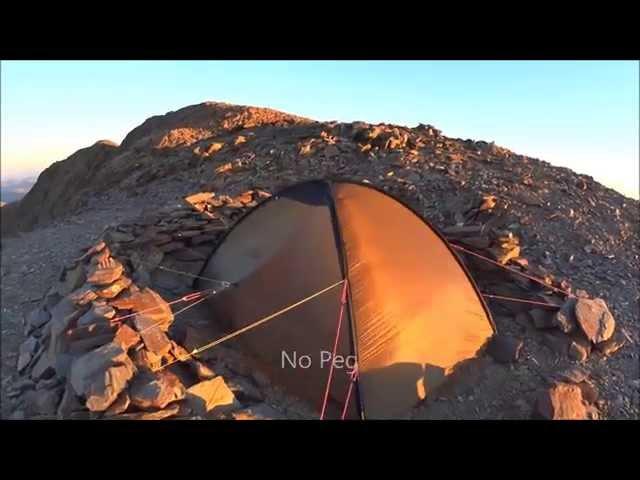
pixel 37 318
pixel 155 390
pixel 98 313
pixel 105 273
pixel 115 288
pixel 562 401
pixel 27 351
pixel 505 348
pixel 149 305
pixel 83 295
pixel 126 337
pixel 595 319
pixel 101 375
pixel 153 337
pixel 259 412
pixel 211 396
pixel 565 318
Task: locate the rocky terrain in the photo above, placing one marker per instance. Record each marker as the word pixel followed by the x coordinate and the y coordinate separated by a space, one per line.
pixel 573 355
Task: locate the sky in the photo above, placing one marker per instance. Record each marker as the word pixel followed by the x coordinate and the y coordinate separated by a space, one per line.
pixel 577 114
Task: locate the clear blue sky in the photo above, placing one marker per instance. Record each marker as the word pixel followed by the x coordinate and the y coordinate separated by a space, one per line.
pixel 583 115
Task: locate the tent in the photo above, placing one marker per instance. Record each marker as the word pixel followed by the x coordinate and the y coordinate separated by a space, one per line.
pixel 410 314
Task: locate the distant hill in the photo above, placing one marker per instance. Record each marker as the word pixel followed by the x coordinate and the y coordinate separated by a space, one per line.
pixel 12 190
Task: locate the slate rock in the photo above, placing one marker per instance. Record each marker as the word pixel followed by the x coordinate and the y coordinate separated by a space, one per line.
pixel 126 337
pixel 565 318
pixel 261 411
pixel 112 291
pixel 150 391
pixel 98 313
pixel 613 344
pixel 146 360
pixel 69 403
pixel 26 353
pixel 37 318
pixel 170 411
pixel 119 406
pixel 562 401
pixel 211 396
pixel 505 348
pixel 101 375
pixel 105 273
pixel 595 319
pixel 579 347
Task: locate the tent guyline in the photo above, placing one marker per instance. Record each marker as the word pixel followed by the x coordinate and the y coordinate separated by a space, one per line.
pixel 224 283
pixel 251 326
pixel 343 303
pixel 504 267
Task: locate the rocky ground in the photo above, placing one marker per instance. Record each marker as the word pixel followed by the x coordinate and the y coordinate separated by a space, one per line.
pixel 522 212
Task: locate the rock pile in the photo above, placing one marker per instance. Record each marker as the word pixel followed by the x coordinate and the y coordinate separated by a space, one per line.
pixel 100 343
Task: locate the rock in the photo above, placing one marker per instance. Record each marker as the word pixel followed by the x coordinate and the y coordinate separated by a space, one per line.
pixel 119 406
pixel 69 403
pixel 126 337
pixel 155 390
pixel 562 401
pixel 504 348
pixel 72 279
pixel 26 353
pixel 153 337
pixel 573 375
pixel 202 371
pixel 113 236
pixel 594 319
pixel 579 347
pixel 101 375
pixel 542 318
pixel 99 313
pixel 44 367
pixel 245 391
pixel 19 387
pixel 149 305
pixel 259 412
pixel 589 391
pixel 46 401
pixel 212 396
pixel 144 359
pixel 170 411
pixel 105 273
pixel 565 318
pixel 115 288
pixel 37 318
pixel 615 343
pixel 83 295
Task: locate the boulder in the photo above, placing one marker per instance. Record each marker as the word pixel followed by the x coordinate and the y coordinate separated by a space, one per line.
pixel 562 401
pixel 211 396
pixel 150 305
pixel 595 319
pixel 101 375
pixel 504 348
pixel 146 360
pixel 150 391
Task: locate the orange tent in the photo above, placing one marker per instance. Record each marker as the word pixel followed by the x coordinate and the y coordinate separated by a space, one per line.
pixel 411 310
